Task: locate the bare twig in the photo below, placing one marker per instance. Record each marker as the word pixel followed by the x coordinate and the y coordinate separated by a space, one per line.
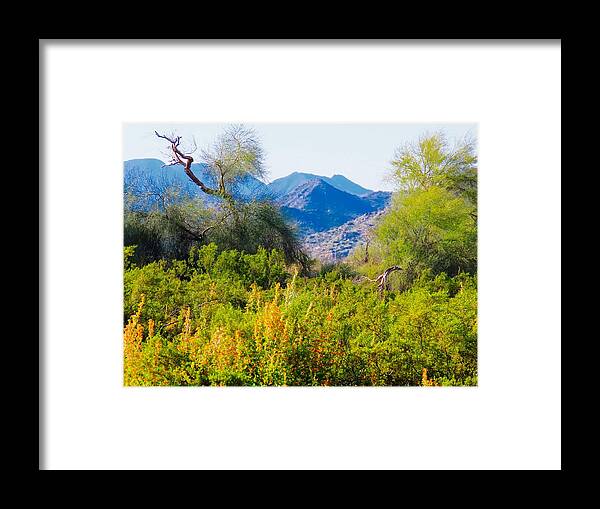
pixel 382 279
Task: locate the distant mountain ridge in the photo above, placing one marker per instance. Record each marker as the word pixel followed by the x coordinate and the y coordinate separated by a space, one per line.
pixel 318 195
pixel 282 186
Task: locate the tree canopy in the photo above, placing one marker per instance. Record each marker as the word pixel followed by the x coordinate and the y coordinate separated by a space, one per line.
pixel 432 161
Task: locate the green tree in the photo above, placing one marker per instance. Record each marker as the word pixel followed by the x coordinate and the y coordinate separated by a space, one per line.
pixel 432 222
pixel 429 229
pixel 170 230
pixel 432 161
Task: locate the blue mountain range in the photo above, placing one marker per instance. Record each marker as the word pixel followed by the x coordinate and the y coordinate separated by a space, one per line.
pixel 315 203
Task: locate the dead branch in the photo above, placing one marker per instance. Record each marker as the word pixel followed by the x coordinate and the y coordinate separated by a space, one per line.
pixel 186 160
pixel 382 279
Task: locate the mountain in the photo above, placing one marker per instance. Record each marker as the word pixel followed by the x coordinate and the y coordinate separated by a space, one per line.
pixel 319 196
pixel 281 186
pixel 316 205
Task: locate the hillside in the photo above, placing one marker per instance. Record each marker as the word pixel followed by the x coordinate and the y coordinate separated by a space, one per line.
pixel 336 243
pixel 317 206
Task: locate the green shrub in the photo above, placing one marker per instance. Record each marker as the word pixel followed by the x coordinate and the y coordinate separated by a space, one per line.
pixel 239 319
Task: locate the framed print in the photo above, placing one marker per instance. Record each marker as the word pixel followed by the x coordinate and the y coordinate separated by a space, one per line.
pixel 320 255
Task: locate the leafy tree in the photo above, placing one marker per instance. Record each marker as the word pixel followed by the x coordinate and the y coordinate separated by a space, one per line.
pixel 256 224
pixel 429 229
pixel 235 154
pixel 431 161
pixel 432 222
pixel 169 231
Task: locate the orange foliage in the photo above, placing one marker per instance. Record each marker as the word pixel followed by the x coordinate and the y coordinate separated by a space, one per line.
pixel 428 382
pixel 133 336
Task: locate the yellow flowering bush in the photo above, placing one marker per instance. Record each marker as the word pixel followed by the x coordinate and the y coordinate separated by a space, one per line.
pixel 209 323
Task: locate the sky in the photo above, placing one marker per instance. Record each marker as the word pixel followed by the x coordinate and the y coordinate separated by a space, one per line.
pixel 361 152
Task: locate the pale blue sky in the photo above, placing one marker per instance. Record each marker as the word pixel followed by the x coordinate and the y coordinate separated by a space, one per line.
pixel 360 152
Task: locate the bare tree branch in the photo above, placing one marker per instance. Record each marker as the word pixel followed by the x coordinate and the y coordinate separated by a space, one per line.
pixel 186 161
pixel 382 279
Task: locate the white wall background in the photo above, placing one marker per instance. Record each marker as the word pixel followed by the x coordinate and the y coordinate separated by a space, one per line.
pixel 512 420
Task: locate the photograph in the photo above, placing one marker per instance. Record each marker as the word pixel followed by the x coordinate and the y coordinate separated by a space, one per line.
pixel 300 254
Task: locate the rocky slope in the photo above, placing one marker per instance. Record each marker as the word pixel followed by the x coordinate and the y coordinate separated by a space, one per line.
pixel 336 243
pixel 315 206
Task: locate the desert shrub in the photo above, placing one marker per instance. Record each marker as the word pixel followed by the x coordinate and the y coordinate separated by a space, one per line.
pixel 174 226
pixel 238 319
pixel 429 229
